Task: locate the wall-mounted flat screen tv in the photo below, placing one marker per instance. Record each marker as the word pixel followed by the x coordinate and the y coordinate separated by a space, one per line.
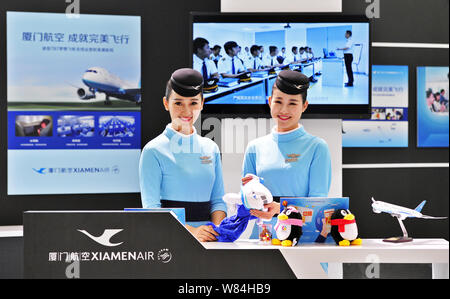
pixel 240 55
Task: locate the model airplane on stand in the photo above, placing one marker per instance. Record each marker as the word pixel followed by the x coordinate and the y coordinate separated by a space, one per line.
pixel 401 213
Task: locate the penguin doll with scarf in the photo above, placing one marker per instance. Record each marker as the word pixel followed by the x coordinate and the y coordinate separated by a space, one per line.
pixel 344 229
pixel 288 227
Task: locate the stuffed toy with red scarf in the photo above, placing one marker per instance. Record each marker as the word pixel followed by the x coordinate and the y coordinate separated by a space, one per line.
pixel 344 229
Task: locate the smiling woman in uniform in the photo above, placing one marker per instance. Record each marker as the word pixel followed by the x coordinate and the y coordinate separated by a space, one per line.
pixel 291 161
pixel 179 168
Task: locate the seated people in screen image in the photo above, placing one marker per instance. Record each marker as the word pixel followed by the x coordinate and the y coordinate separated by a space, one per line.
pixel 240 55
pixel 309 54
pixel 201 60
pixel 215 56
pixel 181 169
pixel 282 56
pixel 303 55
pixel 254 63
pixel 294 57
pixel 230 66
pixel 263 55
pixel 272 60
pixel 247 53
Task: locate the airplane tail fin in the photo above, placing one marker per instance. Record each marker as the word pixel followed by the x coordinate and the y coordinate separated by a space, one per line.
pixel 373 200
pixel 420 206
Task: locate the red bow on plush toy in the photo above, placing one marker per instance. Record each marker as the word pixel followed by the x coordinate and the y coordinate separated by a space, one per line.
pixel 341 223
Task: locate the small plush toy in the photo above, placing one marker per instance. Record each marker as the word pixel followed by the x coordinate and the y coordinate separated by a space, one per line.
pixel 254 195
pixel 344 229
pixel 288 227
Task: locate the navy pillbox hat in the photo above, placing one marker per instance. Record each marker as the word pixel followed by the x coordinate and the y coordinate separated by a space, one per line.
pixel 187 82
pixel 292 82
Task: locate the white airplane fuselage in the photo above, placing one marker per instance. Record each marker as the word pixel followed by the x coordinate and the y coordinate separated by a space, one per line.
pixel 402 212
pixel 98 79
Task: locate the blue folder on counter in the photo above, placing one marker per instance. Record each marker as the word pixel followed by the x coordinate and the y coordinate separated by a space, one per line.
pixel 228 82
pixel 180 213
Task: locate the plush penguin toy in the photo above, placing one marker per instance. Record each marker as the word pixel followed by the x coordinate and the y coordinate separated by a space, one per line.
pixel 288 227
pixel 344 229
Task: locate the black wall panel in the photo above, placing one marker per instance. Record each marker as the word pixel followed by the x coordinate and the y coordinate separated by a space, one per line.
pixel 406 187
pixel 406 21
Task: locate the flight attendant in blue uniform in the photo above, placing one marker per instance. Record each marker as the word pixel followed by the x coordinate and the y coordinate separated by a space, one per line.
pixel 179 168
pixel 291 161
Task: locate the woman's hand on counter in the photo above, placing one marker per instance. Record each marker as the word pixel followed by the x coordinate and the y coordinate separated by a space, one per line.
pixel 203 233
pixel 272 209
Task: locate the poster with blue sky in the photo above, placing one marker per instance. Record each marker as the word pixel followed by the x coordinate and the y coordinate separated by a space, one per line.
pixel 73 100
pixel 388 126
pixel 432 107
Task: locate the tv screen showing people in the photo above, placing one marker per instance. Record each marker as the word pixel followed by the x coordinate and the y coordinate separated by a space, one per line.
pixel 240 61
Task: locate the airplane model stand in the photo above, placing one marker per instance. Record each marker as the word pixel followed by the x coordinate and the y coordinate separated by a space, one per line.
pixel 403 239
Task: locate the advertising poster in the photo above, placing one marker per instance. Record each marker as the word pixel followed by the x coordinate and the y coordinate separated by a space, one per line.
pixel 432 107
pixel 74 100
pixel 388 126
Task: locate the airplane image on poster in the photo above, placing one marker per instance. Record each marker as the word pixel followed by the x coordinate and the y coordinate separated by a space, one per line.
pixel 99 80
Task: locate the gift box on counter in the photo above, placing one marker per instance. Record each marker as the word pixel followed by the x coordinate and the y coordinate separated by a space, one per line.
pixel 316 211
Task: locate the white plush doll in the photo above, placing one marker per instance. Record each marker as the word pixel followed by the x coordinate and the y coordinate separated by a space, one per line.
pixel 254 195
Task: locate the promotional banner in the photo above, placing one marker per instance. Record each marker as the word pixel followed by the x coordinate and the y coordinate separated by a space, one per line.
pixel 74 101
pixel 432 107
pixel 388 126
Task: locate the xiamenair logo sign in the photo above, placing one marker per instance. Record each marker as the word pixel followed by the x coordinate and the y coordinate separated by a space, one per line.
pixel 164 255
pixel 76 170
